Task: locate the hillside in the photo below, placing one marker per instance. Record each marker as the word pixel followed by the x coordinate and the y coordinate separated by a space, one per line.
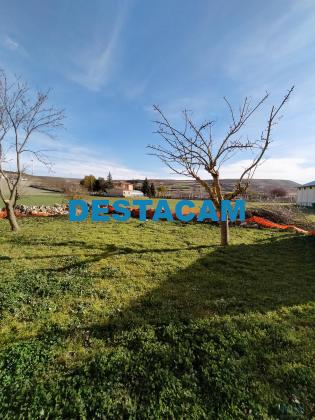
pixel 257 185
pixel 34 183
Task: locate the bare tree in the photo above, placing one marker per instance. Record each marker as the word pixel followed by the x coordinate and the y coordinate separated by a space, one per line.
pixel 188 150
pixel 278 192
pixel 162 190
pixel 22 114
pixel 73 190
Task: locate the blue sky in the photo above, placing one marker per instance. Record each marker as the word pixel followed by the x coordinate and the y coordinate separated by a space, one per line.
pixel 109 61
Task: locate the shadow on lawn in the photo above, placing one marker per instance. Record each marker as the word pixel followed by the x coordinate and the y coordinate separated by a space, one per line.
pixel 227 281
pixel 236 279
pixel 106 251
pixel 214 367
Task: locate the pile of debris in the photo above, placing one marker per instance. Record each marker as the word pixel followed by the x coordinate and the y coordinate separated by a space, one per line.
pixel 54 210
pixel 281 214
pixel 23 210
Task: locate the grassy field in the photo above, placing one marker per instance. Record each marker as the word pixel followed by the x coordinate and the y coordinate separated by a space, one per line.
pixel 310 214
pixel 154 320
pixel 46 199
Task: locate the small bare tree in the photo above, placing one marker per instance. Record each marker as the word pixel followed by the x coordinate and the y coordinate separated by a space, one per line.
pixel 162 190
pixel 278 192
pixel 189 149
pixel 73 190
pixel 21 116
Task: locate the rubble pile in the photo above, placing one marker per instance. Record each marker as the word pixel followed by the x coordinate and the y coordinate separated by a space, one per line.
pixel 24 210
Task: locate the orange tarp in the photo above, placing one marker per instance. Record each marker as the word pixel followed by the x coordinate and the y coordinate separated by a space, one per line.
pixel 3 214
pixel 265 223
pixel 268 224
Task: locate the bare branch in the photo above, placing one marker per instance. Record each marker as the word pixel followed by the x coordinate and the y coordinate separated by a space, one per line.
pixel 22 114
pixel 265 139
pixel 186 151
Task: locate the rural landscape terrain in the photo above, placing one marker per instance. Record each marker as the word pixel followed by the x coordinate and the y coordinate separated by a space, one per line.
pixel 148 319
pixel 154 318
pixel 157 210
pixel 34 184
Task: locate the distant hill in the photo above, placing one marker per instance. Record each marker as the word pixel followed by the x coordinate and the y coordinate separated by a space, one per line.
pixel 35 184
pixel 184 186
pixel 52 183
pixel 257 185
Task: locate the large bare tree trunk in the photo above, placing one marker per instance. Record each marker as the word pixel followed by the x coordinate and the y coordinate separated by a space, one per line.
pixel 11 217
pixel 225 233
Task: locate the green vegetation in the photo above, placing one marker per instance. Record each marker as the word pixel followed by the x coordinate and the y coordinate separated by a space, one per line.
pixel 310 214
pixel 152 320
pixel 91 183
pixel 39 200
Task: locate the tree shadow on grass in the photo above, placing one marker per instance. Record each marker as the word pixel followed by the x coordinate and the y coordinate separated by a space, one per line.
pixel 229 281
pixel 238 279
pixel 105 251
pixel 180 367
pixel 5 258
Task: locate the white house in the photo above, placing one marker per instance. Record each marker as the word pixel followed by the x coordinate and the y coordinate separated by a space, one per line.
pixel 306 195
pixel 133 193
pixel 124 189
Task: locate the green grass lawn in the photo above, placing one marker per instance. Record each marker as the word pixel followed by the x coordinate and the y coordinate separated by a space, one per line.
pixel 40 200
pixel 154 320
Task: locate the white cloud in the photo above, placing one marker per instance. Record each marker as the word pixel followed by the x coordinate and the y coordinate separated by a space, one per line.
pixel 293 169
pixel 268 52
pixel 10 44
pixel 95 64
pixel 76 161
pixel 14 46
pixel 72 160
pixel 77 167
